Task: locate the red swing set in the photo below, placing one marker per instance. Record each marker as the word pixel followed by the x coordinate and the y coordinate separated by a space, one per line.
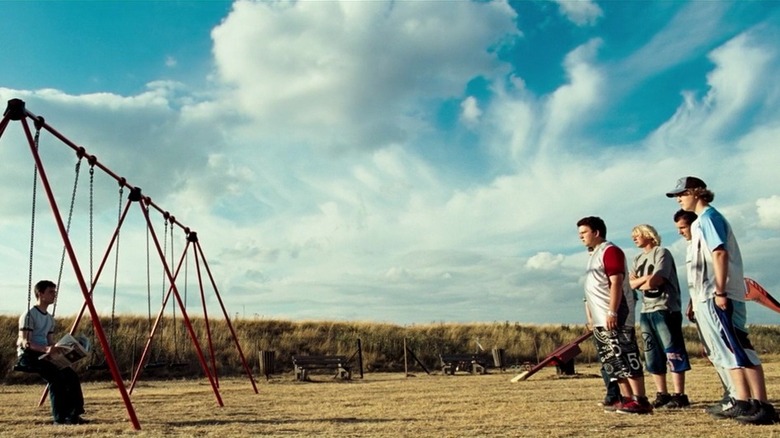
pixel 16 111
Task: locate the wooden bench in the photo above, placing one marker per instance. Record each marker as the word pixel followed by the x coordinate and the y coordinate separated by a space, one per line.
pixel 304 364
pixel 475 363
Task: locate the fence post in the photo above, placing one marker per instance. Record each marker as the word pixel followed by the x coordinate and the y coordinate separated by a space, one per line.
pixel 498 358
pixel 267 363
pixel 360 356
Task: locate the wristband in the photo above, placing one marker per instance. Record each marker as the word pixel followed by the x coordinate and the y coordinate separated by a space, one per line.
pixel 723 295
pixel 611 314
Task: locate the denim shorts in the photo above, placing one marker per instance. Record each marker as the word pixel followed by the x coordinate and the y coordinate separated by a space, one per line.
pixel 664 342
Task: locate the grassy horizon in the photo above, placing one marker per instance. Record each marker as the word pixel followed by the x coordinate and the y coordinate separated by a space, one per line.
pixel 382 343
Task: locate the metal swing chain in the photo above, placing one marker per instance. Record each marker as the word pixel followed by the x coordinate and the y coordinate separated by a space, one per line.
pixel 91 249
pixel 165 257
pixel 116 268
pixel 148 283
pixel 186 265
pixel 173 304
pixel 162 295
pixel 67 227
pixel 91 223
pixel 32 222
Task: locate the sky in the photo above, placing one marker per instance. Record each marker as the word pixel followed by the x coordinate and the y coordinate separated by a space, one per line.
pixel 408 162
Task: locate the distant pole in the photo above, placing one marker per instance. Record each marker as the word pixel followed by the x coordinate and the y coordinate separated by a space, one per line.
pixel 406 363
pixel 536 349
pixel 360 357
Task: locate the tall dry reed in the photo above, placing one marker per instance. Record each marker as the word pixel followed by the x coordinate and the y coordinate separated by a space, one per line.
pixel 382 344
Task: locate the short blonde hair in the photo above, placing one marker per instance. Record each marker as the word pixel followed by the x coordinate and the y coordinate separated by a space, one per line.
pixel 648 232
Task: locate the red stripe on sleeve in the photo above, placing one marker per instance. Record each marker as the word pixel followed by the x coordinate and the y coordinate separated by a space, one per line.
pixel 614 261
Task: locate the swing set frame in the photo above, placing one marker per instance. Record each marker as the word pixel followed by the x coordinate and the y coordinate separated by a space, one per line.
pixel 17 112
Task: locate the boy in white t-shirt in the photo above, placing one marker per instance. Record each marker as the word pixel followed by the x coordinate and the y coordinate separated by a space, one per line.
pixel 611 302
pixel 718 298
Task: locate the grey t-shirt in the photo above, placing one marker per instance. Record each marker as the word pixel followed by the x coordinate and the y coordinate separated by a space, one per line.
pixel 666 297
pixel 40 323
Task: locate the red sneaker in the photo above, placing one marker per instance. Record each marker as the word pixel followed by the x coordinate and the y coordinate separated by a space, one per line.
pixel 615 405
pixel 634 406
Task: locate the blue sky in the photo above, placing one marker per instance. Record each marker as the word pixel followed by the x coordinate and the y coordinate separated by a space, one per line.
pixel 107 46
pixel 408 162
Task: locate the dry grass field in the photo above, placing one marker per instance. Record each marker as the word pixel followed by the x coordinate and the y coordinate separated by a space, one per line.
pixel 382 405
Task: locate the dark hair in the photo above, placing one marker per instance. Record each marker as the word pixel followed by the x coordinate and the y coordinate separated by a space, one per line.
pixel 42 285
pixel 595 223
pixel 704 194
pixel 688 216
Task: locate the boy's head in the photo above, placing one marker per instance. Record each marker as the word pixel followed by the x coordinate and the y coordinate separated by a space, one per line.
pixel 647 232
pixel 42 286
pixel 691 185
pixel 592 231
pixel 596 224
pixel 683 220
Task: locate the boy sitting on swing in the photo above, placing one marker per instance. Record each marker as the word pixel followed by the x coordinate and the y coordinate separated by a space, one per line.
pixel 36 337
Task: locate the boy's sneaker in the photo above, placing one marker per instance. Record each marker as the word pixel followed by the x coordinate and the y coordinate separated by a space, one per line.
pixel 678 401
pixel 71 420
pixel 636 405
pixel 739 409
pixel 762 413
pixel 661 399
pixel 721 406
pixel 614 405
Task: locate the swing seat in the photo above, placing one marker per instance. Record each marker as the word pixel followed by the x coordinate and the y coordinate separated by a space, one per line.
pixel 24 368
pixel 177 364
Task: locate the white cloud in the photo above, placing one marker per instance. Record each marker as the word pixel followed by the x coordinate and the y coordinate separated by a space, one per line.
pixel 580 12
pixel 306 169
pixel 571 104
pixel 355 73
pixel 768 210
pixel 743 67
pixel 690 31
pixel 545 261
pixel 523 129
pixel 741 83
pixel 469 111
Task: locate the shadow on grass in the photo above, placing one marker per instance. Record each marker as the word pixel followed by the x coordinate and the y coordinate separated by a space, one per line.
pixel 341 420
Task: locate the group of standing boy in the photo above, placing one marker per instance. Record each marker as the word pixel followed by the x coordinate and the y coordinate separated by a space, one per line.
pixel 717 305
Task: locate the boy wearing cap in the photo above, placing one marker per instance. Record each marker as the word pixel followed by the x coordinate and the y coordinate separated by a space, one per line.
pixel 718 297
